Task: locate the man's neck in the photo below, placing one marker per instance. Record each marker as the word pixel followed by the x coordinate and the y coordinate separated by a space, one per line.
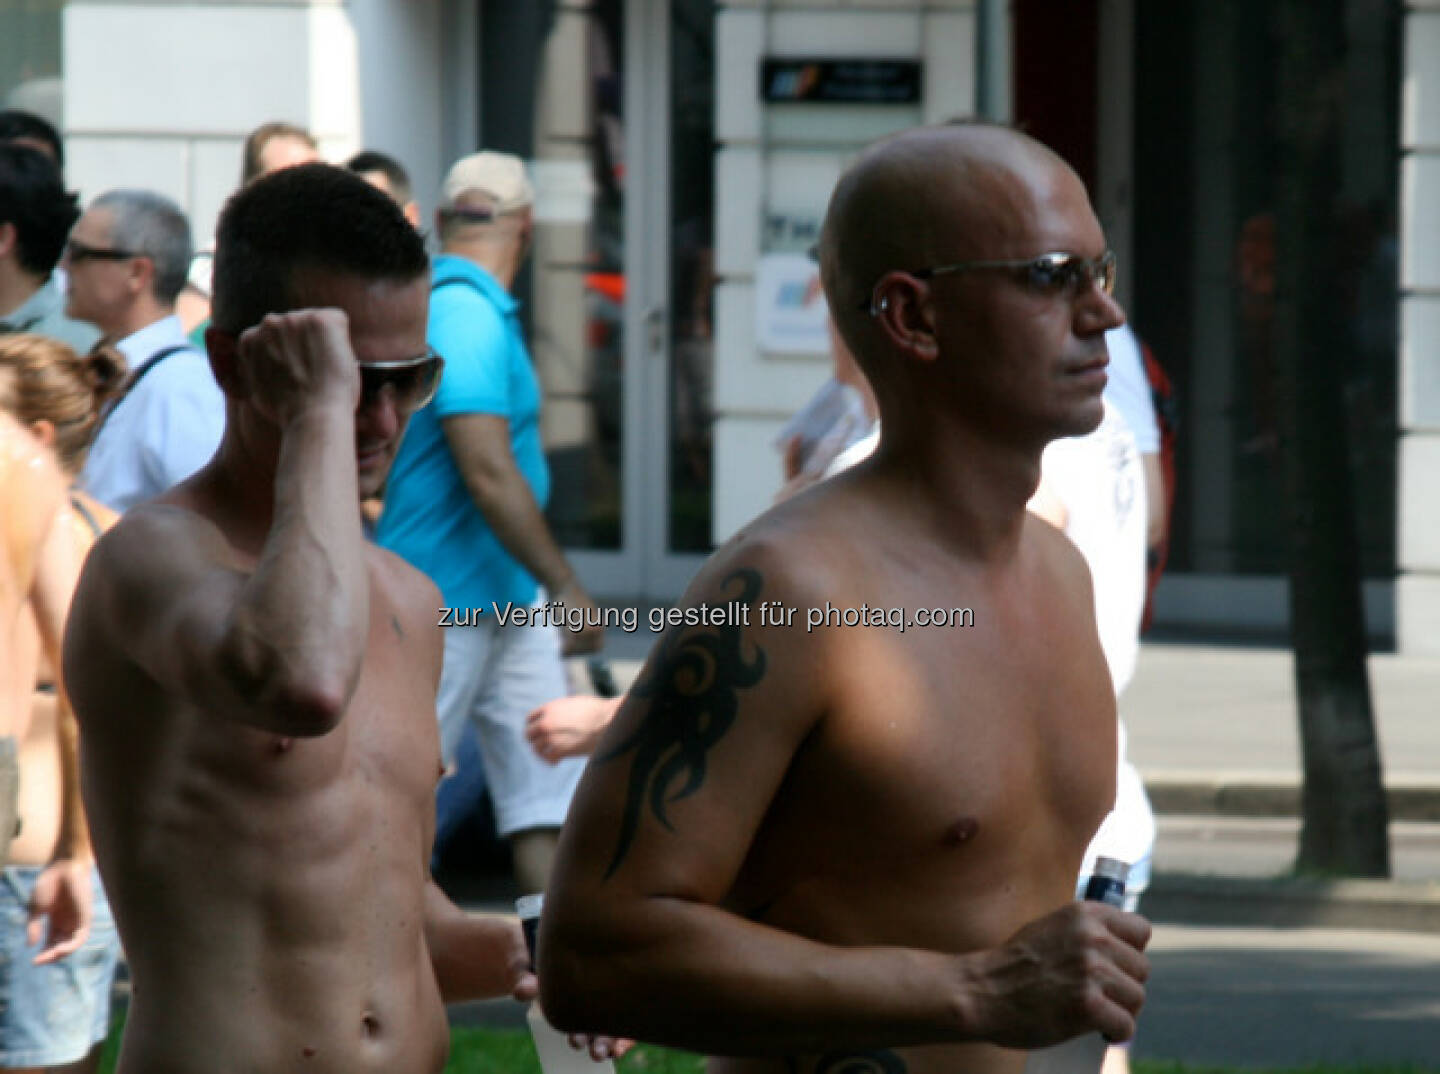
pixel 976 488
pixel 501 260
pixel 141 315
pixel 17 287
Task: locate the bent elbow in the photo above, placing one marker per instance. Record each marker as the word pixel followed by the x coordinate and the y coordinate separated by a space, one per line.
pixel 571 994
pixel 309 710
pixel 277 696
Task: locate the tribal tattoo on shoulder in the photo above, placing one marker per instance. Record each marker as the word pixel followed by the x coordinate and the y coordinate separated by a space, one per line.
pixel 693 694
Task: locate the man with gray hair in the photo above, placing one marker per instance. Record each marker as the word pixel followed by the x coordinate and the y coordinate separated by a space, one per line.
pixel 127 258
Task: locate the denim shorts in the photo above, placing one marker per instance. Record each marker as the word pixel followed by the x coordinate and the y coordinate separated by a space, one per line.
pixel 52 1014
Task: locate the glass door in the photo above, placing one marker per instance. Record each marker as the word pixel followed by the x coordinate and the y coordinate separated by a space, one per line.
pixel 619 128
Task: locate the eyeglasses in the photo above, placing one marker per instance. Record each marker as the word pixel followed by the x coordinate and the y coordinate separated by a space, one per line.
pixel 410 381
pixel 76 251
pixel 1049 274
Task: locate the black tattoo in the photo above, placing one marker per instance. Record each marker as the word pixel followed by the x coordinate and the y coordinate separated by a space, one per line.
pixel 882 1061
pixel 693 701
pixel 399 631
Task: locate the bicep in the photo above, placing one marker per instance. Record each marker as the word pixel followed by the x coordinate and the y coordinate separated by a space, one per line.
pixel 683 777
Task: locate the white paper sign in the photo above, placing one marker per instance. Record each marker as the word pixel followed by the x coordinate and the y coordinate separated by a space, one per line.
pixel 790 311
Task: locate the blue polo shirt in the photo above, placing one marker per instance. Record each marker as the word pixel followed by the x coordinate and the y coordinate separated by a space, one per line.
pixel 429 517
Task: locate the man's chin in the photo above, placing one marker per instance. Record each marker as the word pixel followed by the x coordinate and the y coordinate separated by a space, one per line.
pixel 372 476
pixel 1080 420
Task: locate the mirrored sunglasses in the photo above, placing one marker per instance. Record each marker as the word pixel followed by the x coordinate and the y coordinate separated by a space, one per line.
pixel 411 382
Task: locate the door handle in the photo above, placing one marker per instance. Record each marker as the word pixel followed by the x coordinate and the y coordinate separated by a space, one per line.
pixel 655 329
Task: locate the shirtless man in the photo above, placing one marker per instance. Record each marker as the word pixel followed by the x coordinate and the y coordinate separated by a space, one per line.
pixel 256 684
pixel 855 849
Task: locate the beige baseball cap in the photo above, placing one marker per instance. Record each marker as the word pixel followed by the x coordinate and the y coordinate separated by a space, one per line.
pixel 498 178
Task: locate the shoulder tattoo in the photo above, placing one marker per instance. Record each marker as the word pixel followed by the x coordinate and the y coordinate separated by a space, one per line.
pixel 693 694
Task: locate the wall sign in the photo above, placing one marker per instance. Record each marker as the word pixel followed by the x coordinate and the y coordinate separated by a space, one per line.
pixel 790 312
pixel 840 81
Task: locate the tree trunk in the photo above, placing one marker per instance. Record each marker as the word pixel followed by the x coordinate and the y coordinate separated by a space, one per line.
pixel 1345 813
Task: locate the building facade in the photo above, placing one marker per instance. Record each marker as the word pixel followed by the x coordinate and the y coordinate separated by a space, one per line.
pixel 684 151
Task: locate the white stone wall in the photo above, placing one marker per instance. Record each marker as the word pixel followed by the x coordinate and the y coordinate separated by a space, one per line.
pixel 1417 597
pixel 161 95
pixel 785 158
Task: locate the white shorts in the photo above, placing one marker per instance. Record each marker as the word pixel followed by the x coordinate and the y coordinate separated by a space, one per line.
pixel 495 676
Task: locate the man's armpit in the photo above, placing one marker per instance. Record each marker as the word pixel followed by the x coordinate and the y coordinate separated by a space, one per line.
pixel 693 695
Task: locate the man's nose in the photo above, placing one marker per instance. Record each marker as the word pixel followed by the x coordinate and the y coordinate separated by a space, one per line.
pixel 379 414
pixel 1097 310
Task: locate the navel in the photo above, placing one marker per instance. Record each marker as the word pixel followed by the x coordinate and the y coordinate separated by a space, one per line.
pixel 961 832
pixel 370 1024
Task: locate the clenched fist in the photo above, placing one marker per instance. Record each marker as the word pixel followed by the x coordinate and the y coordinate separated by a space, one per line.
pixel 291 362
pixel 1078 969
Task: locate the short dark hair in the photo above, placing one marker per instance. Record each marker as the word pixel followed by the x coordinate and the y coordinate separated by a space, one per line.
pixel 313 216
pixel 260 137
pixel 17 124
pixel 150 224
pixel 33 198
pixel 372 160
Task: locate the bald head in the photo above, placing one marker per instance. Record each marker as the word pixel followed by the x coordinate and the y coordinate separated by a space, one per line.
pixel 930 196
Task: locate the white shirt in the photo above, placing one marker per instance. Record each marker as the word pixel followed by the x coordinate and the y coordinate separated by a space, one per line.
pixel 1128 389
pixel 165 429
pixel 1099 479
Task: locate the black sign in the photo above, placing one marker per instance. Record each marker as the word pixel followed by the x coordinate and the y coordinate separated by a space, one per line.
pixel 841 81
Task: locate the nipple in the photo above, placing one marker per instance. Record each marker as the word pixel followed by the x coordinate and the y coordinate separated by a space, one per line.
pixel 308 1052
pixel 962 831
pixel 282 745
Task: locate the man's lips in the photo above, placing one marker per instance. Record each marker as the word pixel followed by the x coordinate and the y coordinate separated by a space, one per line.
pixel 1078 367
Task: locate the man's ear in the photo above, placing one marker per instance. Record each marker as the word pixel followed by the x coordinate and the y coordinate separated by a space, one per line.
pixel 906 316
pixel 9 240
pixel 224 354
pixel 141 276
pixel 411 212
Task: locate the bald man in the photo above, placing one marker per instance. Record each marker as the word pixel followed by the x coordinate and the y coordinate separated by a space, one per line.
pixel 854 847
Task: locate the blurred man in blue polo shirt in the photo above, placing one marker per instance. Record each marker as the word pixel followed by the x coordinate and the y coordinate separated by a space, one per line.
pixel 464 504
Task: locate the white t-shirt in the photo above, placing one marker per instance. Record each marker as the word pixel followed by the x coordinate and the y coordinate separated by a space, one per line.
pixel 1099 479
pixel 1128 389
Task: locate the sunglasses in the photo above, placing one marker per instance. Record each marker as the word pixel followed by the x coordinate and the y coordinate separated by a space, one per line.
pixel 76 251
pixel 1048 274
pixel 411 382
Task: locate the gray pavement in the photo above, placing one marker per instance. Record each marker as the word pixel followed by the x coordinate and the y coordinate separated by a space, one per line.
pixel 1288 997
pixel 1221 711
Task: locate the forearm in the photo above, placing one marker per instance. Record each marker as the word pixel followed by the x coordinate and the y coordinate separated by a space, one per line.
pixel 694 976
pixel 74 838
pixel 475 956
pixel 301 621
pixel 504 497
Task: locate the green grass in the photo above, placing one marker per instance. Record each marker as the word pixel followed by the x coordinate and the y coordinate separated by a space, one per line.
pixel 502 1051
